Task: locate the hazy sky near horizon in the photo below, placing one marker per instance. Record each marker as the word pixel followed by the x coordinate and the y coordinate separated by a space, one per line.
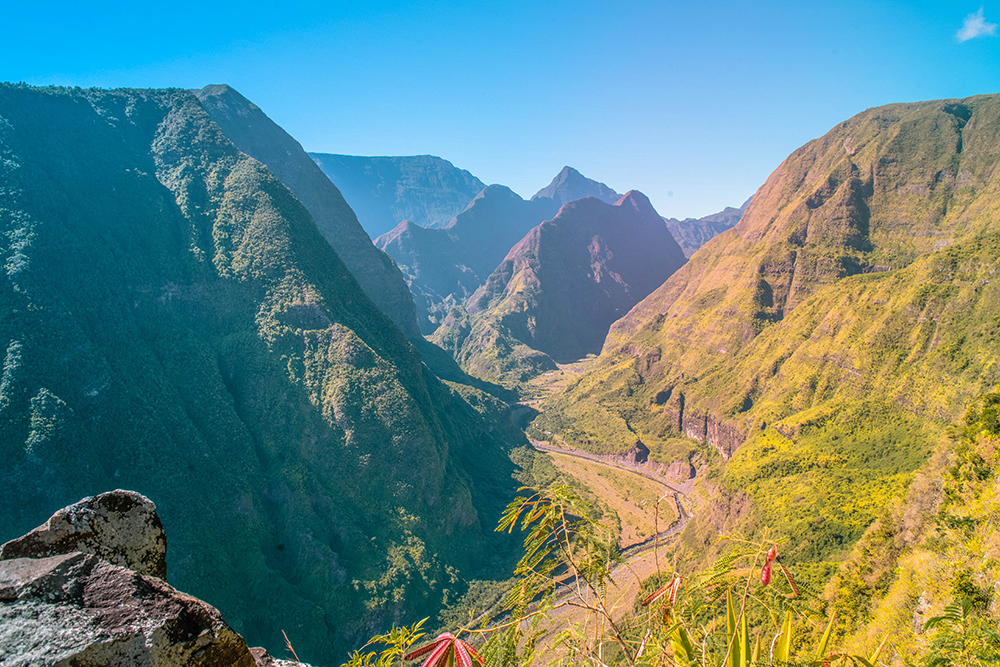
pixel 693 103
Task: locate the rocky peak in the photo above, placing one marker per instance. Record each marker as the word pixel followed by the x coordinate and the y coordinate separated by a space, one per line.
pixel 569 184
pixel 640 203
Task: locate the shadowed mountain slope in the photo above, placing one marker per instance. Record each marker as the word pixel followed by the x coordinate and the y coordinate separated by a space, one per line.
pixel 172 321
pixel 259 137
pixel 693 233
pixel 560 288
pixel 848 314
pixel 384 191
pixel 443 267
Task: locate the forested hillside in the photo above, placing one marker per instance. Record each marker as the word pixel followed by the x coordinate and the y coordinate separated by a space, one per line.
pixel 173 322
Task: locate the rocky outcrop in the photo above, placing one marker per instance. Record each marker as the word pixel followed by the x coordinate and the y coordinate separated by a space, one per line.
pixel 701 426
pixel 87 589
pixel 265 659
pixel 121 527
pixel 78 609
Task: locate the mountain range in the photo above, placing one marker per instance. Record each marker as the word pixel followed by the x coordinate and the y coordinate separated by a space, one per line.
pixel 560 288
pixel 190 308
pixel 693 233
pixel 174 322
pixel 443 267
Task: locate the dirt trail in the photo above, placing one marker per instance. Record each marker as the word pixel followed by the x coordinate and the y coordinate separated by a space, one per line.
pixel 640 559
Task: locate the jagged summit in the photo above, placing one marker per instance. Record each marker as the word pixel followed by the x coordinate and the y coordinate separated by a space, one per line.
pixel 638 201
pixel 692 233
pixel 569 184
pixel 444 266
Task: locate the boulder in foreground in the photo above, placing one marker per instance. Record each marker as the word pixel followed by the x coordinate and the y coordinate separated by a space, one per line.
pixel 122 527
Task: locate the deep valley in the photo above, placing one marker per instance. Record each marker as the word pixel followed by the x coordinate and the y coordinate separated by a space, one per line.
pixel 365 391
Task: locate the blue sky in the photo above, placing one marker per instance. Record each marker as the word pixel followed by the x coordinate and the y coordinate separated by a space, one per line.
pixel 694 103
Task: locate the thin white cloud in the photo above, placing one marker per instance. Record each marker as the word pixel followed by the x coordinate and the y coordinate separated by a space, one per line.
pixel 975 26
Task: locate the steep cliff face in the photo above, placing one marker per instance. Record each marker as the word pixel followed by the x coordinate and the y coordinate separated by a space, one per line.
pixel 258 136
pixel 384 191
pixel 172 321
pixel 560 288
pixel 844 315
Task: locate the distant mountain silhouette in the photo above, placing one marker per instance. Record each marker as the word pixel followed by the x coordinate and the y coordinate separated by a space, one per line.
pixel 692 233
pixel 444 266
pixel 384 191
pixel 569 185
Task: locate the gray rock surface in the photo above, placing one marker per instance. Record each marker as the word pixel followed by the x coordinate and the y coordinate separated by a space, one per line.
pixel 77 609
pixel 265 659
pixel 122 527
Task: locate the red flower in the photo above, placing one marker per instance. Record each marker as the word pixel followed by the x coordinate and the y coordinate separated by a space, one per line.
pixel 765 574
pixel 441 648
pixel 671 588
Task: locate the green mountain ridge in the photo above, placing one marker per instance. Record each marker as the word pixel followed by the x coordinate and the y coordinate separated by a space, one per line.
pixel 172 321
pixel 823 340
pixel 258 136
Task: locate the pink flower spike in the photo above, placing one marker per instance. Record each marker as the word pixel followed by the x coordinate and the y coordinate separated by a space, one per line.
pixel 467 648
pixel 436 648
pixel 656 595
pixel 765 575
pixel 439 656
pixel 462 656
pixel 675 586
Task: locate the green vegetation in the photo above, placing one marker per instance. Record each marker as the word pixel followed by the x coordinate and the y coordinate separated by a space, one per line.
pixel 917 590
pixel 172 321
pixel 489 351
pixel 823 347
